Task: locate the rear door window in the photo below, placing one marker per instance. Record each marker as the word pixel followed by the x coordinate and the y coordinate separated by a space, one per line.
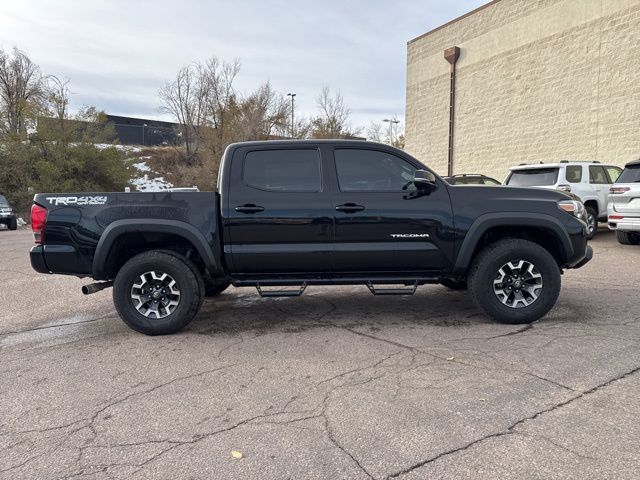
pixel 597 175
pixel 290 170
pixel 363 170
pixel 630 174
pixel 533 177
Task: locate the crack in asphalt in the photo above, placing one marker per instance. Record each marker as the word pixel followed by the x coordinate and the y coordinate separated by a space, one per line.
pixel 511 429
pixel 529 326
pixel 59 325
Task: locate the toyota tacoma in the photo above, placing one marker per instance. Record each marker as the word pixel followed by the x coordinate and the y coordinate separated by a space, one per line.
pixel 291 214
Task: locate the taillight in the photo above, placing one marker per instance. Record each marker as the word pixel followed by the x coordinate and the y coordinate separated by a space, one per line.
pixel 38 221
pixel 619 189
pixel 616 217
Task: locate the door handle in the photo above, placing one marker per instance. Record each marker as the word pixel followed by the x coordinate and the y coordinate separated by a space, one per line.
pixel 349 208
pixel 249 208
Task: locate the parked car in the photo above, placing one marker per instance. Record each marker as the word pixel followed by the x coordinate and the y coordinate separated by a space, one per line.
pixel 7 216
pixel 300 213
pixel 624 205
pixel 588 180
pixel 471 179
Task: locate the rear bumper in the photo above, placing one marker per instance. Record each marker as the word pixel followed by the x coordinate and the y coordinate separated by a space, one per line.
pixel 629 224
pixel 37 259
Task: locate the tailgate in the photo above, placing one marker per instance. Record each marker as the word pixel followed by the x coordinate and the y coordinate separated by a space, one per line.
pixel 627 202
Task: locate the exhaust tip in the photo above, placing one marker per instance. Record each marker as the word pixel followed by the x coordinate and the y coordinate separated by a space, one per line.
pixel 96 287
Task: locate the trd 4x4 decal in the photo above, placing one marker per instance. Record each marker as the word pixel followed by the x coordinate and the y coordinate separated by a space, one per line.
pixel 84 200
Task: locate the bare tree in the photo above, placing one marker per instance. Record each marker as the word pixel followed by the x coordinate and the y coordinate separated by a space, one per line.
pixel 183 99
pixel 333 119
pixel 58 93
pixel 199 99
pixel 22 91
pixel 375 132
pixel 262 114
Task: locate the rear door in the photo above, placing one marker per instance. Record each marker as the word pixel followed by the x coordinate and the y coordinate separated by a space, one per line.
pixel 600 183
pixel 382 224
pixel 278 217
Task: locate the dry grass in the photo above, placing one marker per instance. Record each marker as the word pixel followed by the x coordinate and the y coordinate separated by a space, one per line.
pixel 170 163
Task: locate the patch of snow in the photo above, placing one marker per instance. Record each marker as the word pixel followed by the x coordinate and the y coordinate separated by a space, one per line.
pixel 142 166
pixel 124 148
pixel 147 184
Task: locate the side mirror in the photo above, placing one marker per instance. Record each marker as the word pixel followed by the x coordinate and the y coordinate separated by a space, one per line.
pixel 424 180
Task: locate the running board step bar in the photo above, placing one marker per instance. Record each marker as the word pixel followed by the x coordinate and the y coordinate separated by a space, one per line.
pixel 281 293
pixel 410 290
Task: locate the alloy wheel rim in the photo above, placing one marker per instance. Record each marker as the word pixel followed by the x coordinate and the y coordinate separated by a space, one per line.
pixel 518 284
pixel 591 220
pixel 155 294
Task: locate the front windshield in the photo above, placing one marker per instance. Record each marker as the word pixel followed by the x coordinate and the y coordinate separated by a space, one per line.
pixel 533 177
pixel 3 201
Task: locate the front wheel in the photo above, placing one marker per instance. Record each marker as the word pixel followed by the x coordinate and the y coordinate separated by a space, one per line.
pixel 515 281
pixel 157 293
pixel 12 224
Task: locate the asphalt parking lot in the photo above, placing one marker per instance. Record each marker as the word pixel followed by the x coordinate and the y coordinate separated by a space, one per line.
pixel 335 384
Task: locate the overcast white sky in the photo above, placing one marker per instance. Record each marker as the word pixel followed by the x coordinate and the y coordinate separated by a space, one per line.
pixel 118 53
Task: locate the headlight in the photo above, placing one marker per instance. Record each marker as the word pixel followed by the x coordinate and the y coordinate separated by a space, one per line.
pixel 573 207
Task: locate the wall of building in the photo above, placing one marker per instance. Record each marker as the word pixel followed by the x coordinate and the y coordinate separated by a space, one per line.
pixel 537 80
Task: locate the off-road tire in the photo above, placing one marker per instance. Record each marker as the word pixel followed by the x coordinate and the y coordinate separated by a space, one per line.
pixel 12 224
pixel 485 269
pixel 454 284
pixel 592 222
pixel 213 288
pixel 176 266
pixel 628 238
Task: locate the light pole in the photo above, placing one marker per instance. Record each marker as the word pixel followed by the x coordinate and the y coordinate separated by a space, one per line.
pixel 292 95
pixel 391 122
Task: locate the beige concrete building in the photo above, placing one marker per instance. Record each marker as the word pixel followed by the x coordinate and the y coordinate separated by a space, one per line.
pixel 536 80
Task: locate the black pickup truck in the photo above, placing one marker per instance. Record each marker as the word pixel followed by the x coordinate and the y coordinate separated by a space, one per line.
pixel 289 214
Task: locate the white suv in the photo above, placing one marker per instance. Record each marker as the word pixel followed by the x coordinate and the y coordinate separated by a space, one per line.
pixel 590 181
pixel 624 205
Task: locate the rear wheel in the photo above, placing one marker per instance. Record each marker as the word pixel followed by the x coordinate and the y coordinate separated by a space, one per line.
pixel 592 222
pixel 515 281
pixel 157 293
pixel 628 238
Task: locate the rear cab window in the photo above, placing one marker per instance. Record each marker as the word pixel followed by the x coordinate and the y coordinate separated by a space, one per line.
pixel 283 170
pixel 533 177
pixel 598 175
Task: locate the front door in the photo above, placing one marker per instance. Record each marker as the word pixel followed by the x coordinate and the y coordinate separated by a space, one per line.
pixel 278 218
pixel 382 223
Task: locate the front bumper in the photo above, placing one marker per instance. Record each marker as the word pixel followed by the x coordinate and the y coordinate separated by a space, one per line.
pixel 588 255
